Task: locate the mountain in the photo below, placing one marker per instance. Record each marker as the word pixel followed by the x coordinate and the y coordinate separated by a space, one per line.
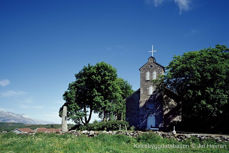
pixel 18 118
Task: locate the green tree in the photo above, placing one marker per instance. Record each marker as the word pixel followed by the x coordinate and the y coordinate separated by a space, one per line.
pixel 108 91
pixel 201 79
pixel 95 89
pixel 126 91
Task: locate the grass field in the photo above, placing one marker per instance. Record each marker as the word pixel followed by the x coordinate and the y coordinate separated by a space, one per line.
pixel 11 126
pixel 146 143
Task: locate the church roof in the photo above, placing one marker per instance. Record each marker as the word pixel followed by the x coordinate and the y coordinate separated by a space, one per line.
pixel 138 90
pixel 25 130
pixel 154 60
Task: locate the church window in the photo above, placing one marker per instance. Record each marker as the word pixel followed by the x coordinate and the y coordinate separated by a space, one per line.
pixel 154 75
pixel 147 75
pixel 150 90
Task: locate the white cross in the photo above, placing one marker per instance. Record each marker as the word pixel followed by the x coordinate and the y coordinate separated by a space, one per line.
pixel 152 51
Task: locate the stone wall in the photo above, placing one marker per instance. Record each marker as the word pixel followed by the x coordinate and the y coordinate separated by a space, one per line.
pixel 170 135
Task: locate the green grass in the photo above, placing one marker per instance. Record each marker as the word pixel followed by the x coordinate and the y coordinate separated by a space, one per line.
pixel 11 126
pixel 53 143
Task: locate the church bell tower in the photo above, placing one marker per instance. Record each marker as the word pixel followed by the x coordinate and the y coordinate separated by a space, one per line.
pixel 149 72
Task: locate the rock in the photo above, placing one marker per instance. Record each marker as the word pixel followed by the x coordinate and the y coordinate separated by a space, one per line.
pixel 187 136
pixel 114 132
pixel 77 133
pixel 72 131
pixel 84 132
pixel 91 133
pixel 104 132
pixel 178 136
pixel 202 138
pixel 109 132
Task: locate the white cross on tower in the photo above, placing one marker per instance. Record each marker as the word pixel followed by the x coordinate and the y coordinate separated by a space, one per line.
pixel 152 51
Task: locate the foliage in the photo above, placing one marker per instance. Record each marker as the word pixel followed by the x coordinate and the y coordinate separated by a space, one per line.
pixel 126 91
pixel 96 89
pixel 132 128
pixel 201 79
pixel 11 126
pixel 118 138
pixel 109 125
pixel 149 138
pixel 53 143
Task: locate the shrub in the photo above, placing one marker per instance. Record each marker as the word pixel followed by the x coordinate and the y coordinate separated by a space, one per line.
pixel 149 138
pixel 132 128
pixel 115 138
pixel 109 125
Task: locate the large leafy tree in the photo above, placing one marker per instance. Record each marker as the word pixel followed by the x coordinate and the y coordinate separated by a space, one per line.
pixel 201 79
pixel 108 91
pixel 126 91
pixel 96 89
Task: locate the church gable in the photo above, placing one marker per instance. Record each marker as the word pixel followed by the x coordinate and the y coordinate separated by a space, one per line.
pixel 151 64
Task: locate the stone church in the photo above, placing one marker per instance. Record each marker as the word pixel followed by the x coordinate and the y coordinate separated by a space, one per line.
pixel 148 108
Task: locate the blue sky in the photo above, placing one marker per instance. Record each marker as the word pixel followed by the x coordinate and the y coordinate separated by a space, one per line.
pixel 44 43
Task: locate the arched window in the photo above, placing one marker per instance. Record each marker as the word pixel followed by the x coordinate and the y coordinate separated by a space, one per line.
pixel 150 90
pixel 154 75
pixel 147 75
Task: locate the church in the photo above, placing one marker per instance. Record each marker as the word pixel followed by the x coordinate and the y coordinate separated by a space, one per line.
pixel 149 108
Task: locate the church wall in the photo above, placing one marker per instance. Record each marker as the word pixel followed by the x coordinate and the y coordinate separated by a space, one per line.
pixel 132 109
pixel 152 106
pixel 171 111
pixel 149 101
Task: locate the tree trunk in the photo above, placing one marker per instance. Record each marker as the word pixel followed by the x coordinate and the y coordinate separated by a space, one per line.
pixel 85 117
pixel 119 116
pixel 104 116
pixel 89 118
pixel 81 119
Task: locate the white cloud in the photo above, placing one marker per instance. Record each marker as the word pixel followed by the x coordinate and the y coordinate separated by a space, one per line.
pixel 184 5
pixel 12 93
pixel 155 2
pixel 4 83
